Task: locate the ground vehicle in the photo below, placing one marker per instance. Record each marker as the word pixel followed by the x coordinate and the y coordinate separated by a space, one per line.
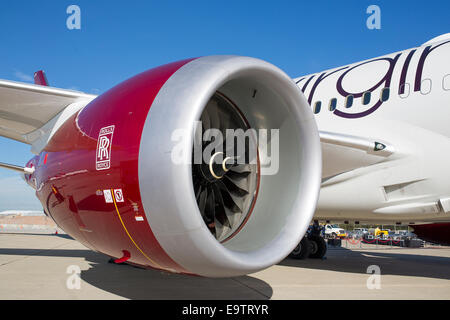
pixel 361 230
pixel 333 230
pixel 381 233
pixel 355 234
pixel 377 232
pixel 400 234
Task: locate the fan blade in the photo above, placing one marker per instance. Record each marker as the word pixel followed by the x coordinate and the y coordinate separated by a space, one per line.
pixel 225 218
pixel 233 188
pixel 232 217
pixel 225 123
pixel 214 117
pixel 231 201
pixel 197 189
pixel 230 150
pixel 221 214
pixel 241 185
pixel 202 202
pixel 206 124
pixel 242 168
pixel 210 208
pixel 238 175
pixel 220 229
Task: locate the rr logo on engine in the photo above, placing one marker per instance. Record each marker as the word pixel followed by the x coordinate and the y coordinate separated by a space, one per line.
pixel 104 144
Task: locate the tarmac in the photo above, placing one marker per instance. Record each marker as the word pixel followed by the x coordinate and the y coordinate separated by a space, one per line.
pixel 46 266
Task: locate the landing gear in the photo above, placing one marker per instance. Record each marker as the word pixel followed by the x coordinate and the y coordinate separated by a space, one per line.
pixel 318 247
pixel 302 250
pixel 313 244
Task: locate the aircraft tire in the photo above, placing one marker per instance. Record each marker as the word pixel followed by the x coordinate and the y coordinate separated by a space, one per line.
pixel 320 247
pixel 302 250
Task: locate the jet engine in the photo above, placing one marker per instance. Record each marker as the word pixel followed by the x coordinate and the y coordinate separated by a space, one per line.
pixel 208 166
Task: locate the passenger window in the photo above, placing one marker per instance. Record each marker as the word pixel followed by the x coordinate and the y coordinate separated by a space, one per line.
pixel 385 93
pixel 333 104
pixel 317 107
pixel 446 82
pixel 366 97
pixel 349 101
pixel 425 87
pixel 404 91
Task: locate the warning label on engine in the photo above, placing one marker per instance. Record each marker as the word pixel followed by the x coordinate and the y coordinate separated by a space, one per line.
pixel 104 144
pixel 118 195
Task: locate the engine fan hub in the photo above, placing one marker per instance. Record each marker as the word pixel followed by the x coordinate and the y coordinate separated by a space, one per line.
pixel 219 168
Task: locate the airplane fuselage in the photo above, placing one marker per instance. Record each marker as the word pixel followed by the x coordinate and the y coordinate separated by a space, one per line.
pixel 401 98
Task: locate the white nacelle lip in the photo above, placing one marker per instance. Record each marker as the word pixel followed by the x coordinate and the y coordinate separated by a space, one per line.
pixel 167 189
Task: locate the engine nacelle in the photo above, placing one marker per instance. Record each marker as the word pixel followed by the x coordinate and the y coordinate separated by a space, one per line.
pixel 121 176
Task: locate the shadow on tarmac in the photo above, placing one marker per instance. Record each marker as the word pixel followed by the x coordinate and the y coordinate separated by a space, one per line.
pixel 59 235
pixel 136 283
pixel 390 263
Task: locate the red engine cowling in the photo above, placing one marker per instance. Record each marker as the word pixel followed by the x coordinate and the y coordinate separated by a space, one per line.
pixel 110 180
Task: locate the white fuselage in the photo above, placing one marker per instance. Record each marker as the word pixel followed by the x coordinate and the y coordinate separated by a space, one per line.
pixel 413 184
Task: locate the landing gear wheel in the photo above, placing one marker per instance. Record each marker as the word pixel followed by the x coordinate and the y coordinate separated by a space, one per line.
pixel 302 250
pixel 318 247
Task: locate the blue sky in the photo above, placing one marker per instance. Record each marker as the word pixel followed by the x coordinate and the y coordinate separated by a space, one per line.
pixel 121 38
